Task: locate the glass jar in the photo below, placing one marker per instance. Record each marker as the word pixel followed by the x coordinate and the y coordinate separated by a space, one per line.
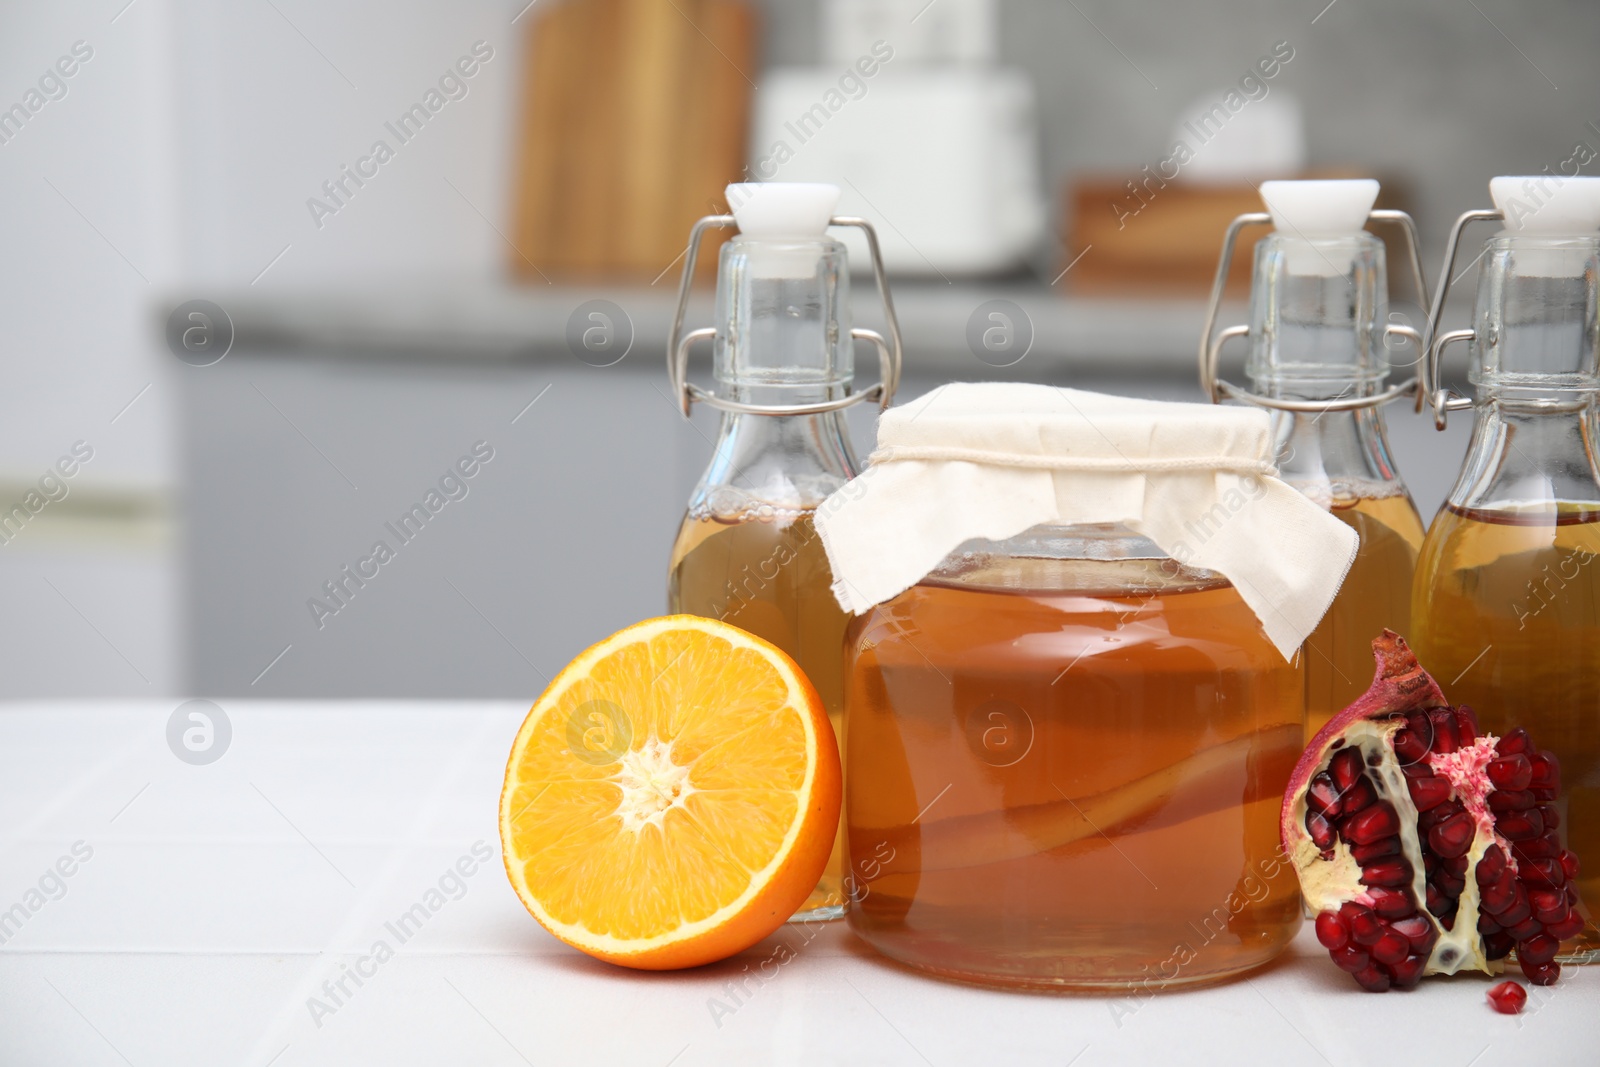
pixel 1065 764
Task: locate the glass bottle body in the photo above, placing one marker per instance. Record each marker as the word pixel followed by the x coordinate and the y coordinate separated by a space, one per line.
pixel 1507 593
pixel 749 555
pixel 1066 772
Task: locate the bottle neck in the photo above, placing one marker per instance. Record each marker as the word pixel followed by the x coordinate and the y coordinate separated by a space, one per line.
pixel 763 464
pixel 1336 457
pixel 1531 454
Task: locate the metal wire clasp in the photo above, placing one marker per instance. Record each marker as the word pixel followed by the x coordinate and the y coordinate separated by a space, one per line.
pixel 679 343
pixel 1212 340
pixel 1439 398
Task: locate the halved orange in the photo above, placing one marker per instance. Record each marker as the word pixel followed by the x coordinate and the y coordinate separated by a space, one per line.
pixel 673 796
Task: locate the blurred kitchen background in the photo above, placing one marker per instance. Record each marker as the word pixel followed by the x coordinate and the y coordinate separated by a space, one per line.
pixel 383 312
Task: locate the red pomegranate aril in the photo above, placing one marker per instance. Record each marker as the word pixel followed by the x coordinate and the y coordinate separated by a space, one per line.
pixel 1517 911
pixel 1551 817
pixel 1365 854
pixel 1516 740
pixel 1434 816
pixel 1417 930
pixel 1507 998
pixel 1416 770
pixel 1520 825
pixel 1391 903
pixel 1546 772
pixel 1467 726
pixel 1569 863
pixel 1438 903
pixel 1323 796
pixel 1497 946
pixel 1394 871
pixel 1567 928
pixel 1445 737
pixel 1510 772
pixel 1428 792
pixel 1408 972
pixel 1525 929
pixel 1541 973
pixel 1377 822
pixel 1453 836
pixel 1345 768
pixel 1498 895
pixel 1540 949
pixel 1544 872
pixel 1486 923
pixel 1321 831
pixel 1373 978
pixel 1547 846
pixel 1410 746
pixel 1359 796
pixel 1491 864
pixel 1391 948
pixel 1449 884
pixel 1332 931
pixel 1366 929
pixel 1350 958
pixel 1549 904
pixel 1520 800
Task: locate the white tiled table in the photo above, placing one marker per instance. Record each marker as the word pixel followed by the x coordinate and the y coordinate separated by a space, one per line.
pixel 217 900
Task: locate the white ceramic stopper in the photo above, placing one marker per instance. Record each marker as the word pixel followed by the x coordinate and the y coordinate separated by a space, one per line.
pixel 1328 208
pixel 782 209
pixel 1545 204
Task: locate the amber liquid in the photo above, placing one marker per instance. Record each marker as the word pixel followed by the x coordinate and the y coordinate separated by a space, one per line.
pixel 1508 620
pixel 1068 774
pixel 770 577
pixel 1376 594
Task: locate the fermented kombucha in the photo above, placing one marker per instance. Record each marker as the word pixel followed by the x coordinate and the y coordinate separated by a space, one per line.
pixel 1376 595
pixel 1068 773
pixel 1508 621
pixel 768 575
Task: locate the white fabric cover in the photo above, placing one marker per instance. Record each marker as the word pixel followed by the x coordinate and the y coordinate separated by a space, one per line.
pixel 990 460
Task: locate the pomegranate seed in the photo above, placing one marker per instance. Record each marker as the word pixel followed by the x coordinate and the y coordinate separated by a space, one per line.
pixel 1391 903
pixel 1456 866
pixel 1515 741
pixel 1543 796
pixel 1569 863
pixel 1345 769
pixel 1549 905
pixel 1541 973
pixel 1546 846
pixel 1546 771
pixel 1392 948
pixel 1449 884
pixel 1434 816
pixel 1567 928
pixel 1520 800
pixel 1446 738
pixel 1378 821
pixel 1544 872
pixel 1511 772
pixel 1410 747
pixel 1416 770
pixel 1323 796
pixel 1373 979
pixel 1529 927
pixel 1321 831
pixel 1551 817
pixel 1408 972
pixel 1467 726
pixel 1453 836
pixel 1491 864
pixel 1540 949
pixel 1486 924
pixel 1508 998
pixel 1394 871
pixel 1332 931
pixel 1359 796
pixel 1350 958
pixel 1497 946
pixel 1520 825
pixel 1366 928
pixel 1365 854
pixel 1428 792
pixel 1498 895
pixel 1518 910
pixel 1438 903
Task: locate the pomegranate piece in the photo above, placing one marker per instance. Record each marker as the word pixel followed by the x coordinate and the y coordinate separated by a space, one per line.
pixel 1426 846
pixel 1508 998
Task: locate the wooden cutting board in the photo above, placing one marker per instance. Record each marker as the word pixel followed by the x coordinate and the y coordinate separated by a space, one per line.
pixel 634 116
